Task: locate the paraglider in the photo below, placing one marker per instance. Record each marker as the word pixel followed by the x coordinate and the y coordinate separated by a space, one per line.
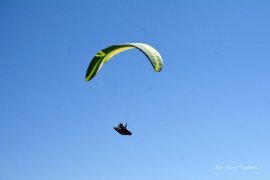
pixel 121 129
pixel 103 56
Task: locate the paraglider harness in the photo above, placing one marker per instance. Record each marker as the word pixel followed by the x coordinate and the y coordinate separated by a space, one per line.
pixel 121 129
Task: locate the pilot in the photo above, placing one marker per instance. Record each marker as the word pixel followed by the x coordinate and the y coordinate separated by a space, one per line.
pixel 121 126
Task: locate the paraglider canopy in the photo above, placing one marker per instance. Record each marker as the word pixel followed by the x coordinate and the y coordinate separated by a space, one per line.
pixel 103 56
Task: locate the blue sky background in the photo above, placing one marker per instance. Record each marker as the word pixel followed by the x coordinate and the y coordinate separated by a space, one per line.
pixel 208 108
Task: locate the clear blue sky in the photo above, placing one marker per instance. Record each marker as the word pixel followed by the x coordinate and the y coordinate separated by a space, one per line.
pixel 208 108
